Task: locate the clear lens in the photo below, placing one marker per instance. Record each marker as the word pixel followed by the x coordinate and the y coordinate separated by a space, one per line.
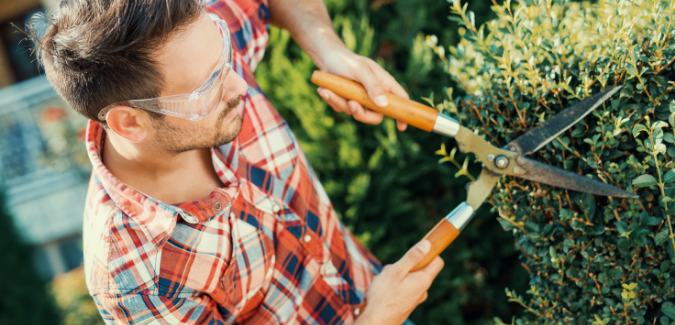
pixel 202 101
pixel 214 97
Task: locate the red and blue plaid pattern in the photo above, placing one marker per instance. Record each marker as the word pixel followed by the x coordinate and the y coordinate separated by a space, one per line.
pixel 267 248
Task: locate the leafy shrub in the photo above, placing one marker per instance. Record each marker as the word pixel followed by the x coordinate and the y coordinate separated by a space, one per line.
pixel 591 260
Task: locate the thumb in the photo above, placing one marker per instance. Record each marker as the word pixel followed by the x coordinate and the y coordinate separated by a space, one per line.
pixel 373 86
pixel 413 256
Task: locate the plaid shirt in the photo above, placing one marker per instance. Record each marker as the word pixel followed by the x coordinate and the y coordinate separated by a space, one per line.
pixel 267 248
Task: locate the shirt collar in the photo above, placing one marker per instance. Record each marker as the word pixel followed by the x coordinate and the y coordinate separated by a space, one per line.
pixel 156 219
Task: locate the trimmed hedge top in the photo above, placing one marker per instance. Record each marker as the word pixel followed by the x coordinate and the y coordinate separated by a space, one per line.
pixel 591 260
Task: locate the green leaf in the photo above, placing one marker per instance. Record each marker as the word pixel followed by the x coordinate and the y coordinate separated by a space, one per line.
pixel 505 224
pixel 442 151
pixel 659 125
pixel 669 311
pixel 629 287
pixel 638 128
pixel 631 70
pixel 668 137
pixel 669 177
pixel 660 148
pixel 428 100
pixel 650 221
pixel 457 19
pixel 624 243
pixel 645 180
pixel 578 133
pixel 661 237
pixel 621 227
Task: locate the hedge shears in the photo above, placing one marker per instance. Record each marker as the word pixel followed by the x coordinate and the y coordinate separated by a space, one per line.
pixel 497 162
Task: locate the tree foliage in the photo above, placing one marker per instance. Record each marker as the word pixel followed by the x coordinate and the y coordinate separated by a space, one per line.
pixel 24 298
pixel 590 259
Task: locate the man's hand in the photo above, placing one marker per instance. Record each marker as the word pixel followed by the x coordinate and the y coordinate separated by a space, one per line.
pixel 365 71
pixel 310 25
pixel 395 292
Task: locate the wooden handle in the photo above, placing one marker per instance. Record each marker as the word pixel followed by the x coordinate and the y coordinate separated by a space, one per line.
pixel 408 111
pixel 443 234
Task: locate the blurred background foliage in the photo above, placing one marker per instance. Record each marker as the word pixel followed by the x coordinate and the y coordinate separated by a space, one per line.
pixel 23 291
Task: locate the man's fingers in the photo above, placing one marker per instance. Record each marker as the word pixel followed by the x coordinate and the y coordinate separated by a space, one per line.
pixel 364 115
pixel 376 81
pixel 351 107
pixel 431 271
pixel 423 298
pixel 389 84
pixel 425 276
pixel 338 103
pixel 373 86
pixel 413 256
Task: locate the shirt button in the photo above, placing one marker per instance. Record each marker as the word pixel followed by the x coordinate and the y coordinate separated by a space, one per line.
pixel 218 206
pixel 307 238
pixel 276 208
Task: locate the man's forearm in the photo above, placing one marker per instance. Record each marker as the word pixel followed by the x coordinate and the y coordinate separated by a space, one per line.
pixel 309 24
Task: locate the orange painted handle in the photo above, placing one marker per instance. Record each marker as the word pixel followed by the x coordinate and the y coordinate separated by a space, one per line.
pixel 443 234
pixel 416 114
pixel 440 237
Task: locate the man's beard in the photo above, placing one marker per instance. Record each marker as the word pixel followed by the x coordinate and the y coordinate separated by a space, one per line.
pixel 178 140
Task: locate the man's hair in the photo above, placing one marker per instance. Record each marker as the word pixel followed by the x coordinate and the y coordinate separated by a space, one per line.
pixel 99 52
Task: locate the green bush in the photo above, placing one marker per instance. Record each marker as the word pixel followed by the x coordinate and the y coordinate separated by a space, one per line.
pixel 70 292
pixel 387 186
pixel 24 298
pixel 591 260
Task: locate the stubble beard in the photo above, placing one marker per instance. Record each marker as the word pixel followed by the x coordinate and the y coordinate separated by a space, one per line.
pixel 177 140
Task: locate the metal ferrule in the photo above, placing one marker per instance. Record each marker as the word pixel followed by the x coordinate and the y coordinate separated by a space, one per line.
pixel 446 125
pixel 460 216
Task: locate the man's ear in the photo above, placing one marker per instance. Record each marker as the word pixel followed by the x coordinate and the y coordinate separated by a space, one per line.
pixel 128 123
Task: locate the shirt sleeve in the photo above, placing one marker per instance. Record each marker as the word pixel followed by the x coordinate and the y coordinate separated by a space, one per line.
pixel 248 21
pixel 152 309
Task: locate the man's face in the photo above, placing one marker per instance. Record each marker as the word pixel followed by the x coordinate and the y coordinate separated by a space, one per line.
pixel 186 61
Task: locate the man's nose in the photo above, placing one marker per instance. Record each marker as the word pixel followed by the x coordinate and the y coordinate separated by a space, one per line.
pixel 234 84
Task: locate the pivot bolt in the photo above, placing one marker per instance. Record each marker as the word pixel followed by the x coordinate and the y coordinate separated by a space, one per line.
pixel 501 161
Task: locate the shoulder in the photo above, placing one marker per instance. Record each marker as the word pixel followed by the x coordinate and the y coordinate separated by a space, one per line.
pixel 248 21
pixel 240 12
pixel 118 255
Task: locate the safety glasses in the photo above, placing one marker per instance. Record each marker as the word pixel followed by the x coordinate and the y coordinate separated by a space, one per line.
pixel 200 102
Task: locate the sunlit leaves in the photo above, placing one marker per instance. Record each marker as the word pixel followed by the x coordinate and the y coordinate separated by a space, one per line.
pixel 545 56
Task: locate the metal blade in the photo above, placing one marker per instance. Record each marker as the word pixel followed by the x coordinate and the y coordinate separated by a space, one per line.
pixel 542 173
pixel 479 190
pixel 537 137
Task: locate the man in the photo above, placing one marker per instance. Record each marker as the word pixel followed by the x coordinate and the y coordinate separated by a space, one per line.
pixel 202 208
